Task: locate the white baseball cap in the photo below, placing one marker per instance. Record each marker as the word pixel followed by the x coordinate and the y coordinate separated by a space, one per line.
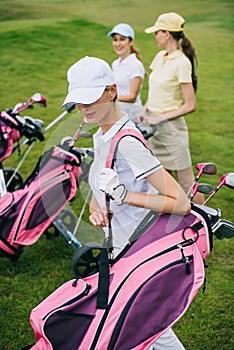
pixel 87 80
pixel 122 29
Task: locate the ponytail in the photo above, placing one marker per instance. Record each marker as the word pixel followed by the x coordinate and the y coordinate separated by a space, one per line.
pixel 189 51
pixel 134 50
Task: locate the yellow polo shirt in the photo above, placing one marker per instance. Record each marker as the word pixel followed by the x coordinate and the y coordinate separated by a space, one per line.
pixel 168 72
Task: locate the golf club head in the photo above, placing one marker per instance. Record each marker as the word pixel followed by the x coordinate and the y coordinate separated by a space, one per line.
pixel 85 134
pixel 204 188
pixel 19 107
pixel 206 168
pixel 65 141
pixel 70 106
pixel 201 188
pixel 214 213
pixel 227 180
pixel 223 229
pixel 37 98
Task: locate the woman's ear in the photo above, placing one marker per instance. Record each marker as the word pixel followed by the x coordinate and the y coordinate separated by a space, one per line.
pixel 113 91
pixel 168 35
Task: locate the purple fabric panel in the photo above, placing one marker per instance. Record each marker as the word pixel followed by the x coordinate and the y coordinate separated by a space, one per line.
pixel 2 151
pixel 3 146
pixel 49 166
pixel 8 219
pixel 66 330
pixel 52 163
pixel 49 203
pixel 163 226
pixel 156 306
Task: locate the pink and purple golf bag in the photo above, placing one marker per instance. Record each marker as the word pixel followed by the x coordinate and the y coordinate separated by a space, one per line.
pixel 9 134
pixel 137 296
pixel 12 128
pixel 26 213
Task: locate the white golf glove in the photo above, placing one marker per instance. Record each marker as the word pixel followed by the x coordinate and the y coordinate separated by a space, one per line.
pixel 109 183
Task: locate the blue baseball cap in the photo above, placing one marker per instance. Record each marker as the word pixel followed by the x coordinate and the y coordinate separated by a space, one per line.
pixel 123 29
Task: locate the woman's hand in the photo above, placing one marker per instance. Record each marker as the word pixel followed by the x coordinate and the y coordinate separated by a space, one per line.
pixel 99 217
pixel 149 121
pixel 142 119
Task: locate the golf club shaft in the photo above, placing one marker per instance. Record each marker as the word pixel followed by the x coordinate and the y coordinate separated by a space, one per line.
pixel 192 187
pixel 212 194
pixel 20 163
pixel 77 134
pixel 87 198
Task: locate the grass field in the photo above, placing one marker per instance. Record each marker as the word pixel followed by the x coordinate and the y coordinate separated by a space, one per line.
pixel 39 41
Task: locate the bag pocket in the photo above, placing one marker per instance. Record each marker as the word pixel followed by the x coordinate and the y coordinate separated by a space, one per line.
pixel 43 205
pixel 154 306
pixel 66 327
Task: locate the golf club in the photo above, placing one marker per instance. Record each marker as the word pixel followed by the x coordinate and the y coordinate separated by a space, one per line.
pixel 223 229
pixel 77 134
pixel 30 142
pixel 203 168
pixel 226 180
pixel 202 188
pixel 35 98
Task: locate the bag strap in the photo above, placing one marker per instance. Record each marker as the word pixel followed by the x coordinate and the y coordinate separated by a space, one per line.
pixel 111 158
pixel 104 273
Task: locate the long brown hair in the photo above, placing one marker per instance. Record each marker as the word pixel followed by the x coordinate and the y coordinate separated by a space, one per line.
pixel 134 50
pixel 189 51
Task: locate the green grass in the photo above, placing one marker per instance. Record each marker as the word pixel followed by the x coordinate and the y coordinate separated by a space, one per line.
pixel 39 41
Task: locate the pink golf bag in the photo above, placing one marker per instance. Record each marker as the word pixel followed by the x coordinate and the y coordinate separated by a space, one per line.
pixel 151 286
pixel 9 133
pixel 12 128
pixel 26 213
pixel 142 293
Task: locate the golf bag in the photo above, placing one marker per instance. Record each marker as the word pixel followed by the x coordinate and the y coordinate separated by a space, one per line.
pixel 151 286
pixel 12 128
pixel 147 287
pixel 26 213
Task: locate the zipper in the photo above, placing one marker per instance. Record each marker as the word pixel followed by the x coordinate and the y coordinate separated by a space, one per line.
pixel 105 315
pixel 45 318
pixel 124 313
pixel 73 300
pixel 59 178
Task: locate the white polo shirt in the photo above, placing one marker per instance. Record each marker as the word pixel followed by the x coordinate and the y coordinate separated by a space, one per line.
pixel 124 71
pixel 133 163
pixel 168 72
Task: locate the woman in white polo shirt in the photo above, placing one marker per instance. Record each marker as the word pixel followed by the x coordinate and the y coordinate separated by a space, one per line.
pixel 171 95
pixel 128 69
pixel 92 87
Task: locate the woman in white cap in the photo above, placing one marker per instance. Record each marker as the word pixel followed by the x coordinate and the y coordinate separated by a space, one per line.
pixel 128 69
pixel 171 95
pixel 92 87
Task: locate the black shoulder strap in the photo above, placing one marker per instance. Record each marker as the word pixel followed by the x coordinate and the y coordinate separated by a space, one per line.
pixel 104 273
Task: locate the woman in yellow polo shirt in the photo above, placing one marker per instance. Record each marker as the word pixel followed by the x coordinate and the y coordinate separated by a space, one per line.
pixel 171 95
